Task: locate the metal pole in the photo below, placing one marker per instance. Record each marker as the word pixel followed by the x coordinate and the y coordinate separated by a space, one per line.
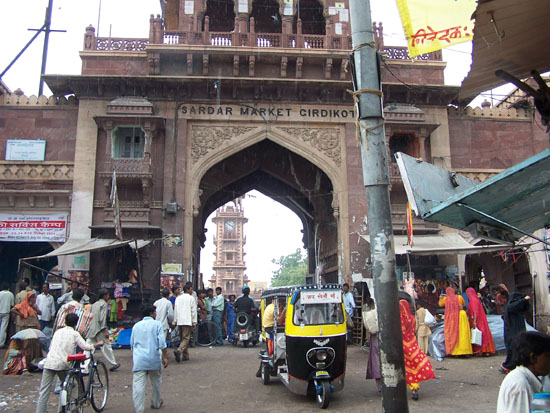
pixel 21 52
pixel 47 24
pixel 368 96
pixel 140 274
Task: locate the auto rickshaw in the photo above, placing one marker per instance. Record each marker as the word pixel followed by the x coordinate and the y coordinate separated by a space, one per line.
pixel 306 349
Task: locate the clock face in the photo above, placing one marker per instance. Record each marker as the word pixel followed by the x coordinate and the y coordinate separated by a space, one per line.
pixel 229 225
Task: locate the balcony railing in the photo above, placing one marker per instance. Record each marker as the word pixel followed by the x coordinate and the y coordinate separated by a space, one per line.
pixel 129 165
pixel 250 38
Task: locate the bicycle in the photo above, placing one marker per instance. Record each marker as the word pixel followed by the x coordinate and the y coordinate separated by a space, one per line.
pixel 76 394
pixel 207 332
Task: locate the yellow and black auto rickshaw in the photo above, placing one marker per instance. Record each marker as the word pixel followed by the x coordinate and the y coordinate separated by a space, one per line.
pixel 306 347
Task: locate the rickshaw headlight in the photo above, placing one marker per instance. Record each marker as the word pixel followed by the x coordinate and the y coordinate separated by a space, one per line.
pixel 321 355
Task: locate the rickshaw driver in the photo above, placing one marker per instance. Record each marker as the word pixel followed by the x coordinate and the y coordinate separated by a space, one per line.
pixel 268 322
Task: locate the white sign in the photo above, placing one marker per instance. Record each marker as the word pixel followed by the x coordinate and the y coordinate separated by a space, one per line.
pixel 288 9
pixel 338 28
pixel 332 11
pixel 189 6
pixel 344 15
pixel 243 6
pixel 321 296
pixel 25 149
pixel 24 228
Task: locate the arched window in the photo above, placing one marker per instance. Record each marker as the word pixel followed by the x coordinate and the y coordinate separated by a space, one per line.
pixel 128 142
pixel 266 16
pixel 221 14
pixel 311 13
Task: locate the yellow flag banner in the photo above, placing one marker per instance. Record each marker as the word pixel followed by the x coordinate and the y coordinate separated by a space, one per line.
pixel 434 24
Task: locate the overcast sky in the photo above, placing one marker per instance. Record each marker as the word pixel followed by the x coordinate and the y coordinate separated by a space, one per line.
pixel 272 230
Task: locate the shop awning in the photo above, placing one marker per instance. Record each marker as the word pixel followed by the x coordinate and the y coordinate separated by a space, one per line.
pixel 80 246
pixel 508 35
pixel 441 244
pixel 505 207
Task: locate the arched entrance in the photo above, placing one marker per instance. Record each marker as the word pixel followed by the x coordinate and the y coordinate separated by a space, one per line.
pixel 12 252
pixel 307 186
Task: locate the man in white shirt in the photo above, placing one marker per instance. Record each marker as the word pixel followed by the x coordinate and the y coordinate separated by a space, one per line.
pixel 531 353
pixel 98 328
pixel 185 317
pixel 165 311
pixel 68 296
pixel 64 343
pixel 46 304
pixel 7 301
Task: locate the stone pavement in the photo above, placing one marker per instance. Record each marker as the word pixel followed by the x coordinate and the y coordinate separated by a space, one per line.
pixel 223 378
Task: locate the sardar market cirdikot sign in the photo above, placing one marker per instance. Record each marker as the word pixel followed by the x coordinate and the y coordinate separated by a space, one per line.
pixel 269 112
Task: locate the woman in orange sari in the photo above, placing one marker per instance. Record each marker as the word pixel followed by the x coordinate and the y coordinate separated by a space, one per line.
pixel 417 366
pixel 27 312
pixel 456 325
pixel 478 318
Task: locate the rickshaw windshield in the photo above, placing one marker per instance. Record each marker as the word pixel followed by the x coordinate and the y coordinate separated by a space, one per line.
pixel 317 313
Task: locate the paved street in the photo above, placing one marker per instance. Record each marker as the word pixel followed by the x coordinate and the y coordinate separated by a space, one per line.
pixel 222 378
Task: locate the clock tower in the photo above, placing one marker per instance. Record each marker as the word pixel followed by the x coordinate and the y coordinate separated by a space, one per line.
pixel 229 265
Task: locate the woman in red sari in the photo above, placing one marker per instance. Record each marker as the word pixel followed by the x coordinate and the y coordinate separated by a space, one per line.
pixel 478 318
pixel 417 366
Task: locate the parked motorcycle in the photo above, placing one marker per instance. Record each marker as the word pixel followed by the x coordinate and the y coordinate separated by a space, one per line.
pixel 246 329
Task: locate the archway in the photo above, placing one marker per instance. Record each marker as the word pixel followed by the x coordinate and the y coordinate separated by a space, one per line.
pixel 266 16
pixel 11 252
pixel 290 179
pixel 311 12
pixel 221 15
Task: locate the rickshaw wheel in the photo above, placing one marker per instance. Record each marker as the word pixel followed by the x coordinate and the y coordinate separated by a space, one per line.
pixel 266 371
pixel 245 343
pixel 235 342
pixel 323 398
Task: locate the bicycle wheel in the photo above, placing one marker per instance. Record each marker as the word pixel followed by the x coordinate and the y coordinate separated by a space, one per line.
pixel 99 386
pixel 207 333
pixel 73 393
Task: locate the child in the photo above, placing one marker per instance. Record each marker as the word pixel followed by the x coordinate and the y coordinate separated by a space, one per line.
pixel 531 353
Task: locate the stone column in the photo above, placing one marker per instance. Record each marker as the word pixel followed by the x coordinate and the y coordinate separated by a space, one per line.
pixel 84 168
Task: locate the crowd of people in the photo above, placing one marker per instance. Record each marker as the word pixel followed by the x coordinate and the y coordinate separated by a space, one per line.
pixel 79 321
pixel 527 352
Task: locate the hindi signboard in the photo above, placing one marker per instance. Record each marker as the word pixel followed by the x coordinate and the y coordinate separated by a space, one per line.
pixel 25 149
pixel 37 228
pixel 321 296
pixel 432 25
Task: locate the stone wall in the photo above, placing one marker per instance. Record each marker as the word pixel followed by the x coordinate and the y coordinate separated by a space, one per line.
pixel 494 138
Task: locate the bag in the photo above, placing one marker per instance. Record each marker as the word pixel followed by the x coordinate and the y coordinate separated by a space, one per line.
pixel 370 321
pixel 84 319
pixel 349 323
pixel 476 336
pixel 429 319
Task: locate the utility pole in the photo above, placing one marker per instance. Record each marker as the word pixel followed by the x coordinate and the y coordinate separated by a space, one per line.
pixel 368 98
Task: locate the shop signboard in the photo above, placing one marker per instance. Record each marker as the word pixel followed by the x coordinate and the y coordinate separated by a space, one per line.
pixel 33 228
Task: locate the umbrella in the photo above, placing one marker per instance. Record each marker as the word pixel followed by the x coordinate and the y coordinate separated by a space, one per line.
pixel 28 333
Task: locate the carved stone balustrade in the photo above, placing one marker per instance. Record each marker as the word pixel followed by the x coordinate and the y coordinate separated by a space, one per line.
pixel 30 185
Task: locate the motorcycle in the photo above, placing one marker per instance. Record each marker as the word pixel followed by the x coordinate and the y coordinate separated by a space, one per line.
pixel 246 330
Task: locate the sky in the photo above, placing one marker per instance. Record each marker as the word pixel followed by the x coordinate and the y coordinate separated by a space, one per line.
pixel 272 230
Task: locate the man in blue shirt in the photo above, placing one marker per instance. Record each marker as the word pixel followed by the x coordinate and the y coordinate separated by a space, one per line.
pixel 146 341
pixel 349 304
